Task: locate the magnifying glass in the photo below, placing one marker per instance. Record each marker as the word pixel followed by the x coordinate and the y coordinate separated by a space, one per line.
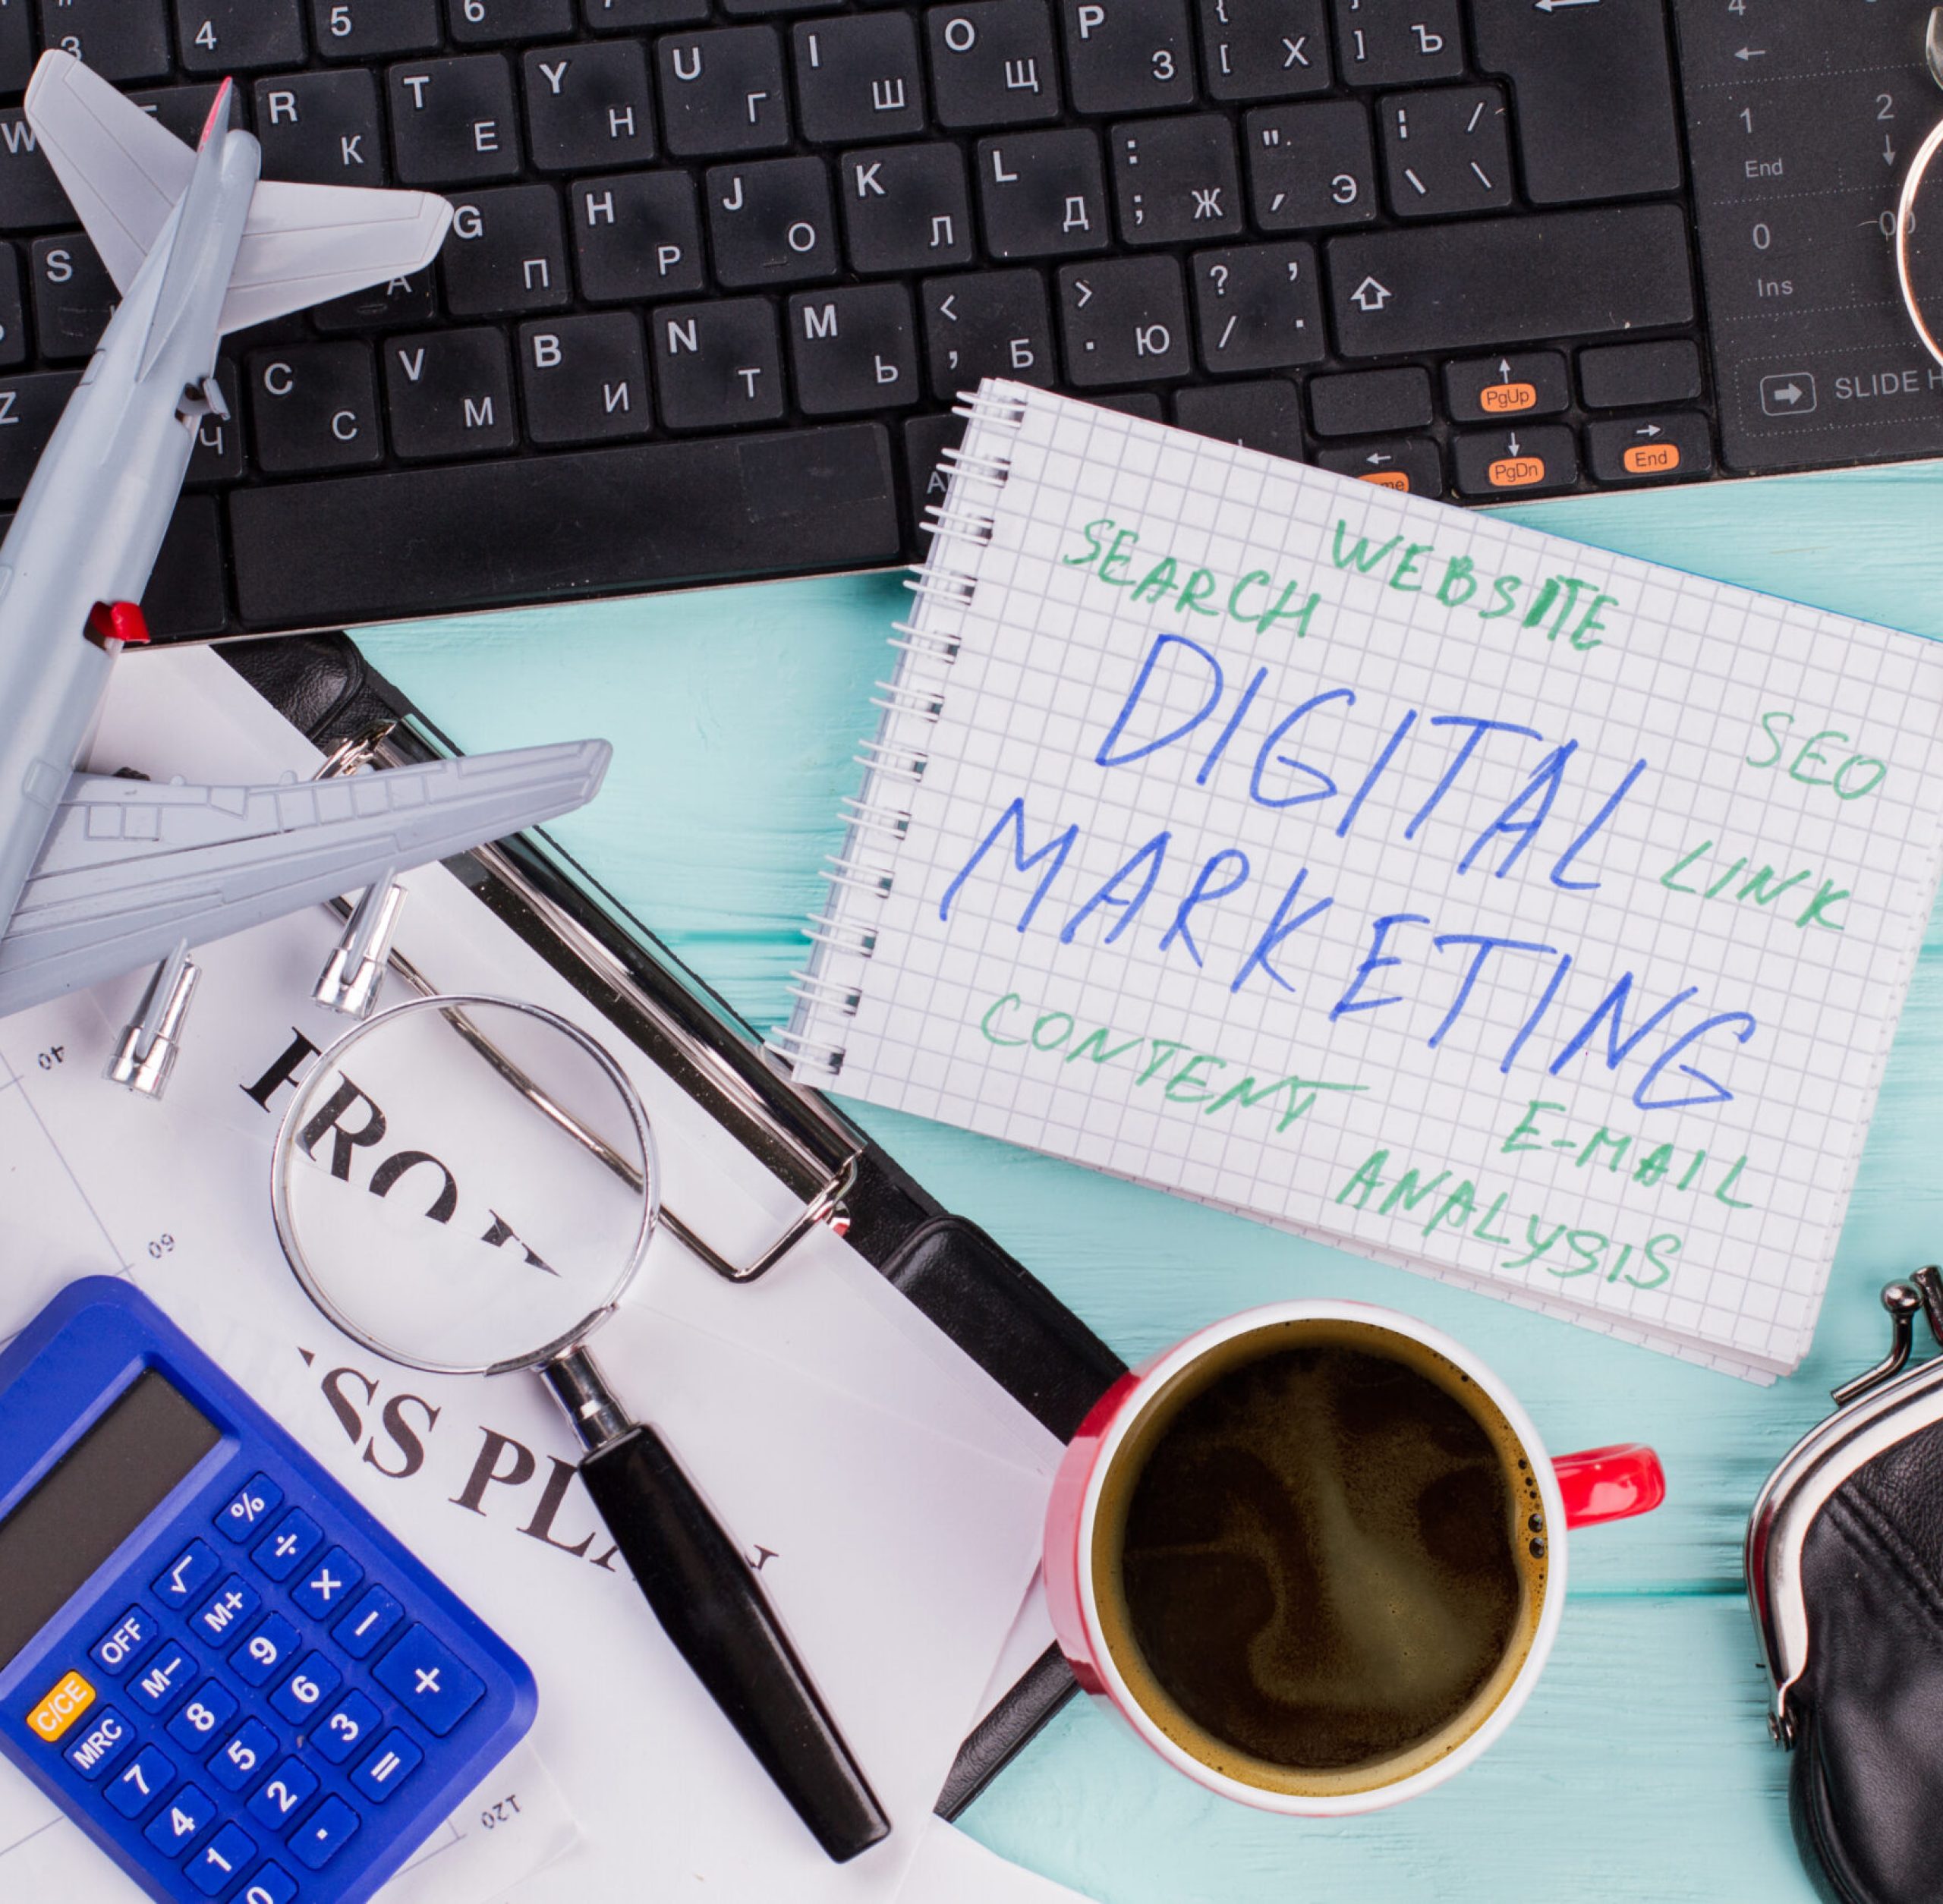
pixel 468 1185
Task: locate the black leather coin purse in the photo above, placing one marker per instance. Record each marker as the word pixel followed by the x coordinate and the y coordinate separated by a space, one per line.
pixel 1844 1563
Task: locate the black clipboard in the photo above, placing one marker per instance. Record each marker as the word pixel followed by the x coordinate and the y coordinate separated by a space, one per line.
pixel 986 1300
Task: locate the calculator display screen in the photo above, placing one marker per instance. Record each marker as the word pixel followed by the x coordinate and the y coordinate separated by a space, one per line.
pixel 96 1496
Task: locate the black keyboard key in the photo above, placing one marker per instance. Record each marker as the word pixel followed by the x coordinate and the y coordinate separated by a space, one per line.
pixel 225 36
pixel 718 366
pixel 13 312
pixel 771 222
pixel 853 349
pixel 1042 194
pixel 1524 459
pixel 904 207
pixel 1516 383
pixel 322 128
pixel 185 597
pixel 857 78
pixel 1175 179
pixel 73 296
pixel 30 196
pixel 584 380
pixel 314 407
pixel 1257 306
pixel 644 515
pixel 637 236
pixel 485 22
pixel 29 408
pixel 992 63
pixel 987 324
pixel 362 30
pixel 1445 151
pixel 1649 449
pixel 1594 93
pixel 1364 403
pixel 1410 464
pixel 396 303
pixel 1132 403
pixel 1310 165
pixel 926 439
pixel 1622 377
pixel 453 120
pixel 1124 321
pixel 1396 43
pixel 122 40
pixel 17 48
pixel 1127 55
pixel 184 110
pixel 1499 281
pixel 448 393
pixel 1263 49
pixel 217 455
pixel 626 16
pixel 722 93
pixel 506 253
pixel 1262 413
pixel 587 106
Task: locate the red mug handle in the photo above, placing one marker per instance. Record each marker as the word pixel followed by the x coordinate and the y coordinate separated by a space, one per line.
pixel 1610 1483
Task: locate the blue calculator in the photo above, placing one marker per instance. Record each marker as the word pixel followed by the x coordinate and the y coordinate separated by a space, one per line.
pixel 224 1669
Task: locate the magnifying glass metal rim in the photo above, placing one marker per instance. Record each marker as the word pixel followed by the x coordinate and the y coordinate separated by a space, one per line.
pixel 1913 181
pixel 447 1003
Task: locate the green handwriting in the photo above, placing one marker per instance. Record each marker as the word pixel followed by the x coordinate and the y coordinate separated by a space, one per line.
pixel 1762 888
pixel 1855 775
pixel 1257 598
pixel 1620 1152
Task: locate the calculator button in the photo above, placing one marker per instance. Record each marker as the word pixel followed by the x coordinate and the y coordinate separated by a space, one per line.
pixel 197 1726
pixel 104 1741
pixel 213 1869
pixel 291 1542
pixel 395 1760
pixel 131 1638
pixel 324 1834
pixel 158 1685
pixel 251 1509
pixel 271 1885
pixel 181 1583
pixel 328 1585
pixel 69 1697
pixel 139 1783
pixel 307 1689
pixel 229 1610
pixel 182 1821
pixel 353 1723
pixel 284 1794
pixel 429 1681
pixel 274 1643
pixel 248 1750
pixel 361 1631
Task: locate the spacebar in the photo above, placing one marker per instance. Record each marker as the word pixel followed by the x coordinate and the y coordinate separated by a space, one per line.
pixel 1494 281
pixel 605 521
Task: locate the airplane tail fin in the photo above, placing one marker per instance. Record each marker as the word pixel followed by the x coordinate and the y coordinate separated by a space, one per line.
pixel 302 244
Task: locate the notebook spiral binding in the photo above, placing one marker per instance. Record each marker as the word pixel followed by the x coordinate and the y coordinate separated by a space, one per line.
pixel 860 878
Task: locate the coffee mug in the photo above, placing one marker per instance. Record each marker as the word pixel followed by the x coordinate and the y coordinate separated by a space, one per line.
pixel 1315 1554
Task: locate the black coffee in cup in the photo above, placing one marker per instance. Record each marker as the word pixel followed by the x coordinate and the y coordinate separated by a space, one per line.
pixel 1329 1558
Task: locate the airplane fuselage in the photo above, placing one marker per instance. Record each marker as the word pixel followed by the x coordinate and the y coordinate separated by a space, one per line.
pixel 92 522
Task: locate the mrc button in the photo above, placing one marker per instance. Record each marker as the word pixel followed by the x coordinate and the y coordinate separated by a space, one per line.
pixel 67 1700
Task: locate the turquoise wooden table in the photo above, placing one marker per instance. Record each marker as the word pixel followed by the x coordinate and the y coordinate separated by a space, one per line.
pixel 1641 1769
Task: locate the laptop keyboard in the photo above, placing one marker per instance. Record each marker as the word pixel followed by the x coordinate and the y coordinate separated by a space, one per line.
pixel 719 267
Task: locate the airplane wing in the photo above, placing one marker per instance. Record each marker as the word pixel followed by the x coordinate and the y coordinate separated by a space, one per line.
pixel 132 868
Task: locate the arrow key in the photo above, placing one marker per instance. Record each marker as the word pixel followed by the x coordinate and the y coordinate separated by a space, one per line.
pixel 1520 383
pixel 1646 449
pixel 1520 462
pixel 1410 464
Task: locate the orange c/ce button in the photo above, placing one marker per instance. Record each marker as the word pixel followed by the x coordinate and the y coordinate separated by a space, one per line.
pixel 1505 399
pixel 1650 459
pixel 1387 479
pixel 61 1708
pixel 1516 472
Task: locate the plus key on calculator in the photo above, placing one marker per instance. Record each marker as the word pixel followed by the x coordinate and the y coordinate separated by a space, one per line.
pixel 240 1685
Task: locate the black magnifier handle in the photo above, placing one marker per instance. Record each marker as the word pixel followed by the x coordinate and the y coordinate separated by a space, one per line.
pixel 711 1606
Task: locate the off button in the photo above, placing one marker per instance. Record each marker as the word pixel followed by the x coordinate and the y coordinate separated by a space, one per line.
pixel 69 1699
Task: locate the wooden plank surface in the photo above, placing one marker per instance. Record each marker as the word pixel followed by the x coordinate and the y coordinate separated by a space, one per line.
pixel 1641 1769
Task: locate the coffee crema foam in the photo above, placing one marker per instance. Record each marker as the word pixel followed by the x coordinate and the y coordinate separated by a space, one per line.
pixel 1320 1559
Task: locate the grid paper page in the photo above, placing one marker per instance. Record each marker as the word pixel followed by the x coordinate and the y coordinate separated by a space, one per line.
pixel 1530 914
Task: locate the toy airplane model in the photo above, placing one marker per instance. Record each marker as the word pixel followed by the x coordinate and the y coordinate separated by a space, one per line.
pixel 100 874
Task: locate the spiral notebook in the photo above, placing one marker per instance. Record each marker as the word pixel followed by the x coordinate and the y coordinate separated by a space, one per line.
pixel 1526 914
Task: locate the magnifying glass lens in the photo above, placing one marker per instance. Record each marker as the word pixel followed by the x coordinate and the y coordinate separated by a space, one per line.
pixel 466 1185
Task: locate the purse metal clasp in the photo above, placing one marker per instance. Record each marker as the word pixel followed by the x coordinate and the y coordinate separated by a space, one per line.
pixel 1923 1291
